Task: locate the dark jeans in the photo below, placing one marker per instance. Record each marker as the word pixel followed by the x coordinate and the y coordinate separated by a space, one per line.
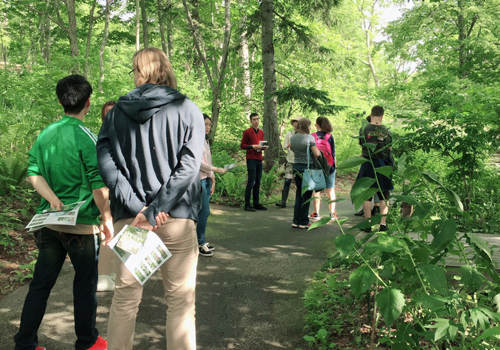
pixel 83 251
pixel 254 168
pixel 206 188
pixel 288 182
pixel 301 209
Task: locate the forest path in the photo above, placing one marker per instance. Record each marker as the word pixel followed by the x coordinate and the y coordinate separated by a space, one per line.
pixel 248 297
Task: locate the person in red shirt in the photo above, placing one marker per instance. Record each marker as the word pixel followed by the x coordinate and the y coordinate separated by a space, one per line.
pixel 251 142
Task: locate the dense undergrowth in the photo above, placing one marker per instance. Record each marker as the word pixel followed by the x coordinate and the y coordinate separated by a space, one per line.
pixel 394 289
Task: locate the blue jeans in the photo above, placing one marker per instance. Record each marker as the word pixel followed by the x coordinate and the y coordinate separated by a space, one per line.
pixel 254 168
pixel 301 209
pixel 206 189
pixel 83 251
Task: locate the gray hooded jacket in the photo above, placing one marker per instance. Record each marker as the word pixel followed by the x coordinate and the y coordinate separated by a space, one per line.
pixel 149 150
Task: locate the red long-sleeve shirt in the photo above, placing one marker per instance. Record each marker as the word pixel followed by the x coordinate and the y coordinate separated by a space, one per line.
pixel 252 137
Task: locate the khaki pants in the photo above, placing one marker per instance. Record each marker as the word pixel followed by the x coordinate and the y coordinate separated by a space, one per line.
pixel 179 282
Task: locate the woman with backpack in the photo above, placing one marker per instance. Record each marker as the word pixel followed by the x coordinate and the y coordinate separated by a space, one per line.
pixel 326 144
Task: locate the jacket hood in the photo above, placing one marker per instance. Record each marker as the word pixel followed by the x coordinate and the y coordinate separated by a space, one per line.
pixel 144 101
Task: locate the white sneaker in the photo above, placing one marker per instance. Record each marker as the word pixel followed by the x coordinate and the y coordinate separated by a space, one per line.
pixel 106 283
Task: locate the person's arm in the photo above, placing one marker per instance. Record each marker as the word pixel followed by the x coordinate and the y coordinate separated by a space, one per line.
pixel 213 186
pixel 286 143
pixel 189 162
pixel 120 187
pixel 42 187
pixel 315 151
pixel 101 199
pixel 332 146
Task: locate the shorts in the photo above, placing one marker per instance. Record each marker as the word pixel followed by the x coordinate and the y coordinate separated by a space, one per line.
pixel 330 180
pixel 289 170
pixel 366 170
pixel 382 196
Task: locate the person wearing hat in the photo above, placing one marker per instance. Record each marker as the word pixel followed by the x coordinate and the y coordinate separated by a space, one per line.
pixel 290 157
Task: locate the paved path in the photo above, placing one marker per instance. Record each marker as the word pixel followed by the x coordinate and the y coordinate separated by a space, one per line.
pixel 249 294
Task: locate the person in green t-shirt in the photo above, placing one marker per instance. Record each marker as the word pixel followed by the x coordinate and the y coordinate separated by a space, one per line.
pixel 63 169
pixel 379 135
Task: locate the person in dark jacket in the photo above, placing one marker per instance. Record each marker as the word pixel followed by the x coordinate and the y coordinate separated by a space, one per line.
pixel 150 149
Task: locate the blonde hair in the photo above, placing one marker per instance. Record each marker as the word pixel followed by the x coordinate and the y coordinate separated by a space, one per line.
pixel 303 126
pixel 151 66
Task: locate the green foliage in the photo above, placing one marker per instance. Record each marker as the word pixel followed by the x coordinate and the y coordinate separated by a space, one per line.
pixel 331 309
pixel 270 181
pixel 21 275
pixel 418 298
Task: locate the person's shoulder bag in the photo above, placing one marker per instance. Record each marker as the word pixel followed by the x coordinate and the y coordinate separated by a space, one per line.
pixel 312 179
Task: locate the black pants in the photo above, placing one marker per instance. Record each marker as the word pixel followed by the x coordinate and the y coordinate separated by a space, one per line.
pixel 83 251
pixel 254 168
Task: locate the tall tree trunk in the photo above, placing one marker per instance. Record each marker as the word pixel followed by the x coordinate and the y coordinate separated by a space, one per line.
pixel 269 74
pixel 73 38
pixel 160 9
pixel 3 25
pixel 195 15
pixel 370 61
pixel 145 29
pixel 245 57
pixel 220 69
pixel 367 27
pixel 170 43
pixel 45 32
pixel 89 39
pixel 137 25
pixel 103 44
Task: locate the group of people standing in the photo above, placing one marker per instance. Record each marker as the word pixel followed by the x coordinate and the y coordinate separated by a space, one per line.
pixel 143 169
pixel 302 147
pixel 149 167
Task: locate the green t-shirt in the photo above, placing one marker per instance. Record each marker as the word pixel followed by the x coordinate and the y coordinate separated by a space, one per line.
pixel 379 135
pixel 65 155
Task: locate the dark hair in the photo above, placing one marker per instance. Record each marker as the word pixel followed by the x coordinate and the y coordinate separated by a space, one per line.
pixel 324 124
pixel 377 111
pixel 104 107
pixel 253 115
pixel 205 116
pixel 73 92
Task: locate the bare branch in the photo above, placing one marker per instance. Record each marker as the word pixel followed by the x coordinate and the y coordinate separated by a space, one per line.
pixel 225 47
pixel 199 48
pixel 58 21
pixel 286 76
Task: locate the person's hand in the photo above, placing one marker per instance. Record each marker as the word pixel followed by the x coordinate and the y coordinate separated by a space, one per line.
pixel 107 231
pixel 221 171
pixel 257 147
pixel 161 219
pixel 213 187
pixel 56 204
pixel 142 222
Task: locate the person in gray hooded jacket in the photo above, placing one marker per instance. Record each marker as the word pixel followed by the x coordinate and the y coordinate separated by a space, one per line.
pixel 150 149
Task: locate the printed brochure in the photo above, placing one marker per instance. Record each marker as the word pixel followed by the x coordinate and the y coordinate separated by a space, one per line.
pixel 66 216
pixel 140 250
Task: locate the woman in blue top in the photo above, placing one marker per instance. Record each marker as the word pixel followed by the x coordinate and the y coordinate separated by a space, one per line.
pixel 326 144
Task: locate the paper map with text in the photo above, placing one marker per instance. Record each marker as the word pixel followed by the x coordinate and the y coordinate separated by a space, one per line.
pixel 66 216
pixel 140 250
